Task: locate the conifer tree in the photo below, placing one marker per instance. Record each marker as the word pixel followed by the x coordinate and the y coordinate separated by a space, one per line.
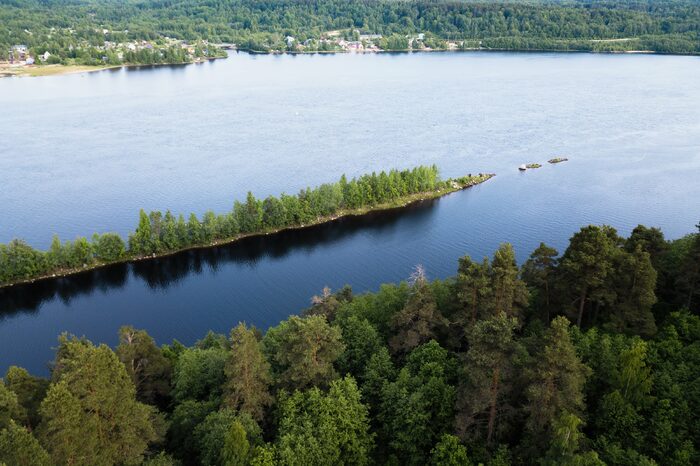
pixel 248 377
pixel 509 292
pixel 18 447
pixel 484 399
pixel 90 415
pixel 557 381
pixel 420 320
pixel 538 272
pixel 474 290
pixel 634 281
pixel 586 264
pixel 148 369
pixel 302 351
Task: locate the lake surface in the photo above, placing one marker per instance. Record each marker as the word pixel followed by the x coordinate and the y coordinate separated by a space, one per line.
pixel 83 153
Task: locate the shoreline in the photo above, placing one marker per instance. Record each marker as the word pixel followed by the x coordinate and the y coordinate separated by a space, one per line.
pixel 38 71
pixel 453 186
pixel 48 70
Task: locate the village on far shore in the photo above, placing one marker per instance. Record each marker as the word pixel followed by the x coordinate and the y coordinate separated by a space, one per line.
pixel 21 59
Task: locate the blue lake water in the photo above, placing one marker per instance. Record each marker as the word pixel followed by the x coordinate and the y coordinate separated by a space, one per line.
pixel 82 153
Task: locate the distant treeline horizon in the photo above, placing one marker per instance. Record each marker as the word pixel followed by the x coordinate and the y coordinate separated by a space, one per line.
pixel 75 31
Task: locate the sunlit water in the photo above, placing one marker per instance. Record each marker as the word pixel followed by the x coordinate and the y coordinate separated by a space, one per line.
pixel 82 153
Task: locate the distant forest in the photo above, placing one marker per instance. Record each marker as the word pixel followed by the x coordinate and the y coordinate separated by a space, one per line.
pixel 590 357
pixel 74 29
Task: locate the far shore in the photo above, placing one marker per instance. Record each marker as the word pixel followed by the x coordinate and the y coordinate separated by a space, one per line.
pixel 7 70
pixel 453 186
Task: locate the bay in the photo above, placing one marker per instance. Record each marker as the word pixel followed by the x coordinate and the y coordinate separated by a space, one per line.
pixel 83 153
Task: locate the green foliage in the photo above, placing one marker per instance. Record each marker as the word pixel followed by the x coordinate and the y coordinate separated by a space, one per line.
pixel 90 415
pixel 557 380
pixel 303 350
pixel 157 233
pixel 199 374
pixel 109 247
pixel 184 419
pixel 236 450
pixel 419 321
pixel 586 265
pixel 512 384
pixel 418 407
pixel 449 452
pixel 248 376
pixel 29 390
pixel 213 433
pixel 538 272
pixel 10 409
pixel 18 447
pixel 484 401
pixel 566 443
pixel 73 31
pixel 320 429
pixel 149 370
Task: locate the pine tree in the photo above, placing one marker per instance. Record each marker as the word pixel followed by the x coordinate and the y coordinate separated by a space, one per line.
pixel 248 377
pixel 509 292
pixel 634 280
pixel 420 320
pixel 10 409
pixel 148 369
pixel 90 413
pixel 586 264
pixel 473 290
pixel 538 273
pixel 18 447
pixel 302 351
pixel 140 242
pixel 557 381
pixel 29 390
pixel 484 398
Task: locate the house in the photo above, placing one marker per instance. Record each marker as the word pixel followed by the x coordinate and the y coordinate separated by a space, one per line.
pixel 289 40
pixel 45 56
pixel 18 53
pixel 29 61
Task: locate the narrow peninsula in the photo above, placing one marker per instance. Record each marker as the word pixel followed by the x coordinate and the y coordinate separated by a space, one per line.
pixel 160 234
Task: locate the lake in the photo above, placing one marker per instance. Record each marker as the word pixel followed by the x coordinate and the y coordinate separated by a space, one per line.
pixel 83 153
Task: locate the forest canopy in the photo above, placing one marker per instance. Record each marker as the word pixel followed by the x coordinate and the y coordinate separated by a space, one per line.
pixel 588 357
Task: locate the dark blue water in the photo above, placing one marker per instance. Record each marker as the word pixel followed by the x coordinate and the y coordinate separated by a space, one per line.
pixel 84 152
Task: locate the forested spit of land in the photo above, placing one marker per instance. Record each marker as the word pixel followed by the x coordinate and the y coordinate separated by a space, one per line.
pixel 588 357
pixel 161 233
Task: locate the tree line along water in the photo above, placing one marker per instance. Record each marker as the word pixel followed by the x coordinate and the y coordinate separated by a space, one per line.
pixel 159 233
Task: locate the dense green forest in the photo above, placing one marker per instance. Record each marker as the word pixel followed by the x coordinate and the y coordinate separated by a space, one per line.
pixel 77 31
pixel 590 357
pixel 159 233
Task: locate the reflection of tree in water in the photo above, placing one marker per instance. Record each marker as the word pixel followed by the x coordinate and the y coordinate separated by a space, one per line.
pixel 31 296
pixel 163 272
